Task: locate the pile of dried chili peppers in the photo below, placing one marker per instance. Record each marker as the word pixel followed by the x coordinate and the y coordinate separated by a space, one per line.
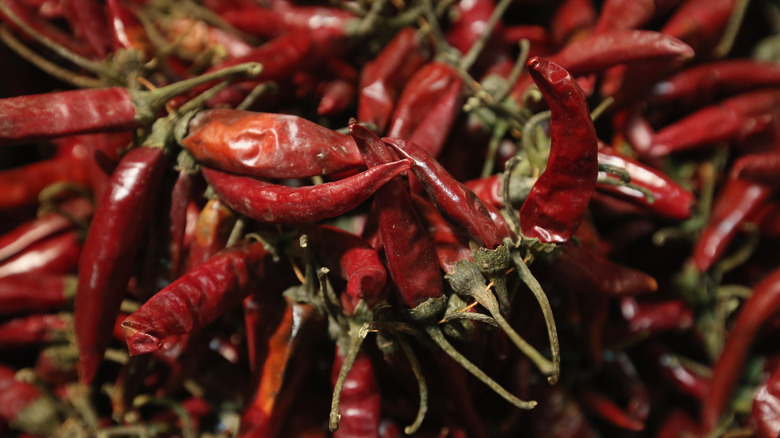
pixel 378 218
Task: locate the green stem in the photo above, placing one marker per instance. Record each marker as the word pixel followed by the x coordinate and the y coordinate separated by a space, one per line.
pixel 349 360
pixel 495 140
pixel 438 337
pixel 471 57
pixel 422 386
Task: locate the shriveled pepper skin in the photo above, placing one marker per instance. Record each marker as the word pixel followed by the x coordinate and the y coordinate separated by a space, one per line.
pixel 268 145
pixel 28 118
pixel 557 202
pixel 196 298
pixel 274 203
pixel 107 257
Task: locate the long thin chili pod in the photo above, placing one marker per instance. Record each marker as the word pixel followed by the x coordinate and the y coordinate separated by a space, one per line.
pixel 755 312
pixel 274 203
pixel 32 330
pixel 624 14
pixel 702 83
pixel 382 79
pixel 736 202
pixel 88 19
pixel 40 116
pixel 411 257
pixel 196 298
pixel 727 121
pixel 22 185
pixel 58 254
pixel 453 198
pixel 557 202
pixel 670 200
pixel 211 232
pixel 700 23
pixel 16 240
pixel 109 251
pixel 268 145
pixel 766 403
pixel 762 168
pixel 35 292
pixel 572 21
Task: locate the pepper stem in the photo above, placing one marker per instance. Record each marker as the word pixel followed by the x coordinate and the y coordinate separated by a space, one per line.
pixel 421 385
pixel 149 103
pixel 536 289
pixel 438 337
pixel 476 49
pixel 349 360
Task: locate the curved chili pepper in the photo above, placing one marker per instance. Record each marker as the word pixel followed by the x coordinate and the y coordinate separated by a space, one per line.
pixel 433 130
pixel 700 23
pixel 274 203
pixel 24 406
pixel 669 199
pixel 624 14
pixel 729 120
pixel 361 400
pixel 762 168
pixel 58 254
pixel 737 201
pixel 452 198
pixel 183 195
pixel 26 234
pixel 557 202
pixel 755 312
pixel 196 298
pixel 353 259
pixel 705 82
pixel 35 292
pixel 280 376
pixel 32 330
pixel 411 257
pixel 22 185
pixel 268 145
pixel 109 250
pixel 336 97
pixel 684 379
pixel 605 408
pixel 654 317
pixel 451 246
pixel 382 79
pixel 43 27
pixel 126 30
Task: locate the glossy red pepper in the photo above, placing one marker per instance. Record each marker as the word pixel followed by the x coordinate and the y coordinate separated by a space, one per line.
pixel 411 257
pixel 669 199
pixel 274 203
pixel 700 23
pixel 126 29
pixel 196 298
pixel 88 20
pixel 58 254
pixel 382 79
pixel 268 145
pixel 737 201
pixel 728 121
pixel 35 292
pixel 453 199
pixel 22 185
pixel 451 246
pixel 32 330
pixel 337 96
pixel 109 252
pixel 753 315
pixel 558 200
pixel 761 168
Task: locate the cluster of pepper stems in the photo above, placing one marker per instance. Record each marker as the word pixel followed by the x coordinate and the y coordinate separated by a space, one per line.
pixel 461 218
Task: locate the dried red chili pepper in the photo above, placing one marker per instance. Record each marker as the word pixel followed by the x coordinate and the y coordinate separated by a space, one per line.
pixel 700 23
pixel 109 251
pixel 453 199
pixel 624 14
pixel 679 424
pixel 352 258
pixel 451 246
pixel 274 203
pixel 126 29
pixel 24 406
pixel 557 202
pixel 268 145
pixel 382 79
pixel 766 403
pixel 572 21
pixel 211 232
pixel 22 185
pixel 755 312
pixel 88 20
pixel 280 376
pixel 337 95
pixel 183 195
pixel 737 201
pixel 411 257
pixel 645 318
pixel 42 27
pixel 58 254
pixel 669 199
pixel 196 298
pixel 35 292
pixel 728 121
pixel 703 83
pixel 605 408
pixel 26 234
pixel 685 380
pixel 761 168
pixel 57 364
pixel 361 400
pixel 33 330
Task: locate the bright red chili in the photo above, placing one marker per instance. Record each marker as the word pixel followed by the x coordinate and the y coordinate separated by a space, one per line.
pixel 35 292
pixel 361 399
pixel 33 330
